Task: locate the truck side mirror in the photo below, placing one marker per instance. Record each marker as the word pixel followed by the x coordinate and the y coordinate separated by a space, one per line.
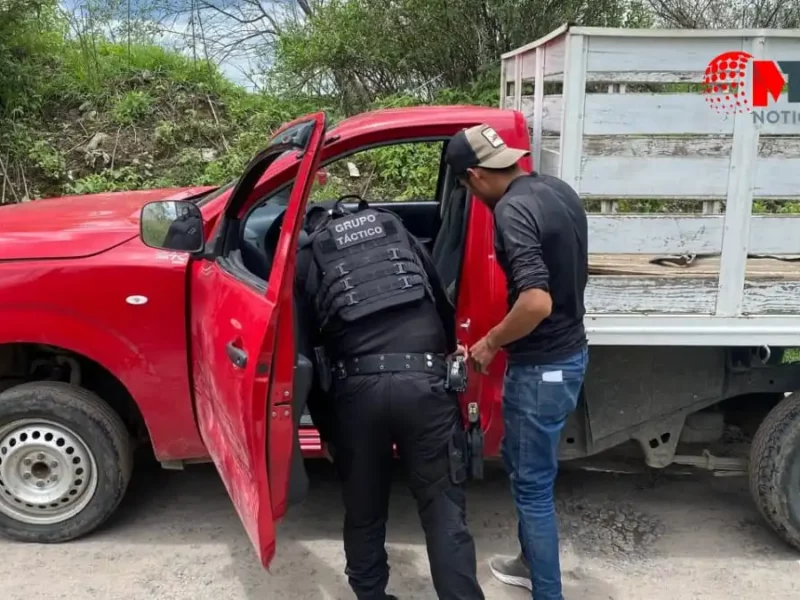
pixel 172 225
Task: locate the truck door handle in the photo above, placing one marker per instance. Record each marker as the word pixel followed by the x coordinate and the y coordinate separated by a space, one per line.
pixel 237 355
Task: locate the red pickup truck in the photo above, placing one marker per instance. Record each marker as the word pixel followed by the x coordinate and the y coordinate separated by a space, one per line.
pixel 165 319
pixel 109 339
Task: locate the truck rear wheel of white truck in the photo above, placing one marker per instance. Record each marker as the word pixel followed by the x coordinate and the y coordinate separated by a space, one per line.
pixel 65 462
pixel 775 469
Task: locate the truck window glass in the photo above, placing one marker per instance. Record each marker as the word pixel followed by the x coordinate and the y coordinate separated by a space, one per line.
pixel 403 172
pixel 260 233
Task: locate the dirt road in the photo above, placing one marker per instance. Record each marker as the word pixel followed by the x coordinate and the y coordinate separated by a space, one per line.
pixel 178 537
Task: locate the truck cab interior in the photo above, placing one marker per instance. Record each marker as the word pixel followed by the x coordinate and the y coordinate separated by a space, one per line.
pixel 438 221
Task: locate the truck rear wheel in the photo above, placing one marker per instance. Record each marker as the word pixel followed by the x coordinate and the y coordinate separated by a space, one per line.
pixel 775 469
pixel 65 462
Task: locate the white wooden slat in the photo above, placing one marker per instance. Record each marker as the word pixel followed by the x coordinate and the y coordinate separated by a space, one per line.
pixel 629 295
pixel 538 103
pixel 528 60
pixel 552 112
pixel 707 146
pixel 701 144
pixel 670 234
pixel 555 56
pixel 679 56
pixel 550 163
pixel 742 182
pixel 660 296
pixel 625 234
pixel 683 177
pixel 777 48
pixel 657 77
pixel 680 34
pixel 508 68
pixel 572 118
pixel 673 114
pixel 656 54
pixel 770 298
pixel 647 114
pixel 503 85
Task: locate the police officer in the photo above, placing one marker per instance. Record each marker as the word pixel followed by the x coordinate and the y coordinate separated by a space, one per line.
pixel 185 232
pixel 386 326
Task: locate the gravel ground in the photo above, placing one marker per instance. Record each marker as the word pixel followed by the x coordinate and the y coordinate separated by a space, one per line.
pixel 624 537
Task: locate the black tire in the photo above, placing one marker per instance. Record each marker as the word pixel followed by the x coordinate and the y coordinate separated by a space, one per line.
pixel 775 469
pixel 101 431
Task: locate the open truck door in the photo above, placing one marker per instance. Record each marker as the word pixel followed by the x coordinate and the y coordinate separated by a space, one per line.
pixel 480 304
pixel 243 384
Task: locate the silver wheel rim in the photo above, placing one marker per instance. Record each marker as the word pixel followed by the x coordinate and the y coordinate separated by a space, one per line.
pixel 47 472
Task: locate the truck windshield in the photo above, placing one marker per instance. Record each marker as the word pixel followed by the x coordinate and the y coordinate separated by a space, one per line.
pixel 202 200
pixel 216 193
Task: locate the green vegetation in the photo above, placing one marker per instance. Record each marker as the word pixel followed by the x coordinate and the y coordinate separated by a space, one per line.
pixel 120 119
pixel 84 115
pixel 81 114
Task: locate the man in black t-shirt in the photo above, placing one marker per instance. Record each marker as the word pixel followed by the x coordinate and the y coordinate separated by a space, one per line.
pixel 540 230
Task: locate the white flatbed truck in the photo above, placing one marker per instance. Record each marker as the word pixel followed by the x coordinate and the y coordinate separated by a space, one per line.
pixel 693 315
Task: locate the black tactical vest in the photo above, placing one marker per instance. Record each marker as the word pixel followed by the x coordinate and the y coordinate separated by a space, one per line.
pixel 366 265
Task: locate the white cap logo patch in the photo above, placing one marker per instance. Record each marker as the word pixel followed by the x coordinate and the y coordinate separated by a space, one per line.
pixel 492 137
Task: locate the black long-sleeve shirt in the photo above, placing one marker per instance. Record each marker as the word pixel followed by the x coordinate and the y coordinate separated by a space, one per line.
pixel 541 237
pixel 424 326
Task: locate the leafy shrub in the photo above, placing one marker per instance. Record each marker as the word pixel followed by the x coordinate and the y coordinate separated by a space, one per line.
pixel 132 107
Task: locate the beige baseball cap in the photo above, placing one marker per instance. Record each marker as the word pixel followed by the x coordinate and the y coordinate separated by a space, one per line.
pixel 480 146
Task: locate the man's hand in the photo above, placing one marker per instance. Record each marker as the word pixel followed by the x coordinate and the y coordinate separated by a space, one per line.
pixel 482 354
pixel 461 350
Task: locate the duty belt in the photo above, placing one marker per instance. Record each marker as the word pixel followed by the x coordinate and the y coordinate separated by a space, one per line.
pixel 372 364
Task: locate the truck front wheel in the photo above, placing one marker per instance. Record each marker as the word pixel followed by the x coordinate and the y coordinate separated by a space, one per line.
pixel 775 469
pixel 65 462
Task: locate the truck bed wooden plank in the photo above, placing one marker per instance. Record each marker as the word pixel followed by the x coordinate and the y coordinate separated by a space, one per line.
pixel 654 296
pixel 660 114
pixel 656 54
pixel 687 234
pixel 700 268
pixel 682 177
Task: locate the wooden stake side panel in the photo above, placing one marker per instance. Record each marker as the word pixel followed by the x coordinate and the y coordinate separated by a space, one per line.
pixel 620 116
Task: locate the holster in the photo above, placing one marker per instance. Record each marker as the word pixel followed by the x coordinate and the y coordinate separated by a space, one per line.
pixel 456 379
pixel 474 440
pixel 323 369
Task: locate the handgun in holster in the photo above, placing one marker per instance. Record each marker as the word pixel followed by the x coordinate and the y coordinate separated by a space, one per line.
pixel 456 378
pixel 474 442
pixel 456 381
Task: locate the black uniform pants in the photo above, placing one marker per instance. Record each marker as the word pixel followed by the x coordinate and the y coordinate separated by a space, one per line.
pixel 414 411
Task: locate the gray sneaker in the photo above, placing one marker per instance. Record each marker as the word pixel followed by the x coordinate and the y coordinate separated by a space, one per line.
pixel 512 571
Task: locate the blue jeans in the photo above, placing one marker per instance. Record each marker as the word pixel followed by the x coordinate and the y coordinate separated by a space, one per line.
pixel 537 399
